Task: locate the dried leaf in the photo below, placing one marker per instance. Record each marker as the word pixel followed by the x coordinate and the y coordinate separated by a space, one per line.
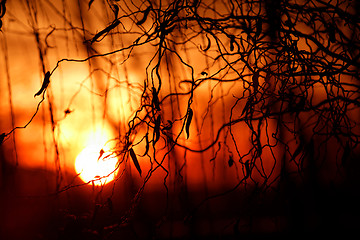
pixel 297 151
pixel 168 126
pixel 157 129
pixel 113 25
pixel 155 99
pixel 135 161
pixel 247 169
pixel 231 46
pixel 2 8
pixel 169 30
pixel 188 122
pixel 90 2
pixel 136 42
pixel 208 45
pixel 231 161
pixel 255 80
pixel 147 144
pixel 101 153
pixel 45 84
pixel 2 137
pixel 143 19
pixel 116 10
pixel 67 111
pixel 258 146
pixel 247 105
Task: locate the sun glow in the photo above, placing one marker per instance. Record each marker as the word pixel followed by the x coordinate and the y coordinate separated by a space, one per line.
pixel 96 165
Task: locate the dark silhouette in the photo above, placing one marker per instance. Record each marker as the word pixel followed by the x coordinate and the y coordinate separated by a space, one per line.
pixel 261 96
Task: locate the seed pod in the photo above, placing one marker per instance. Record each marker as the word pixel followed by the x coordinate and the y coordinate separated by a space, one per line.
pixel 188 122
pixel 135 161
pixel 143 19
pixel 45 84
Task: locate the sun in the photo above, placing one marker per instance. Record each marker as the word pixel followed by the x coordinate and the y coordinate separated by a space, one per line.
pixel 96 165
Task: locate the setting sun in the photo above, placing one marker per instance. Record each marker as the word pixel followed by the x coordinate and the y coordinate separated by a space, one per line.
pixel 95 166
